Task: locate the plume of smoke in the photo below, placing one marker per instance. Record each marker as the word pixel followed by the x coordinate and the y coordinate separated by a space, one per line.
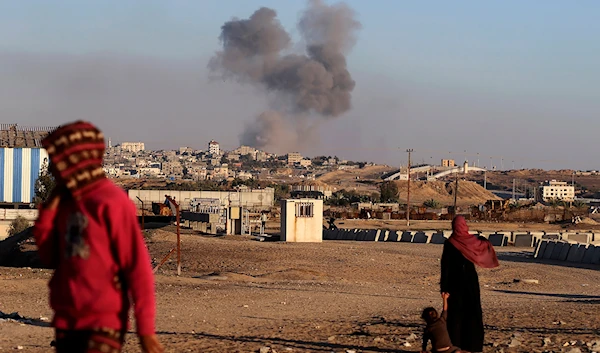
pixel 269 129
pixel 314 83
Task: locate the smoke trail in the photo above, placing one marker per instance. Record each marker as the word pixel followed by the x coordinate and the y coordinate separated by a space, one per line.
pixel 315 83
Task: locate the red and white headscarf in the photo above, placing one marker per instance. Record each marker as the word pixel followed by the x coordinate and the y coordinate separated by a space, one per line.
pixel 478 251
pixel 76 151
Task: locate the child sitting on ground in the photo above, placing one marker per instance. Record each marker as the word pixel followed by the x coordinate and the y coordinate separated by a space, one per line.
pixel 436 330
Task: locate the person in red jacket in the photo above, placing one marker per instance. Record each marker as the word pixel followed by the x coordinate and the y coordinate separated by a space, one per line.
pixel 88 232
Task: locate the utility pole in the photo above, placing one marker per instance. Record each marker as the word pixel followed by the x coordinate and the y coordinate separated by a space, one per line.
pixel 409 151
pixel 513 196
pixel 455 194
pixel 485 179
pixel 142 202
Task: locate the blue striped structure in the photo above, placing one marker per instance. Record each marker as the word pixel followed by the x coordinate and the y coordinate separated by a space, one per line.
pixel 19 169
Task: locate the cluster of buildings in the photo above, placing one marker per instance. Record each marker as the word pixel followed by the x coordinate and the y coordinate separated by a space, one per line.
pixel 22 158
pixel 131 159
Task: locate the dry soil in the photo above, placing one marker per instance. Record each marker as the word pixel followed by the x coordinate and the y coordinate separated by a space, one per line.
pixel 240 295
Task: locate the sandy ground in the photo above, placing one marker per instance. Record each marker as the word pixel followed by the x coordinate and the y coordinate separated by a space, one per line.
pixel 238 295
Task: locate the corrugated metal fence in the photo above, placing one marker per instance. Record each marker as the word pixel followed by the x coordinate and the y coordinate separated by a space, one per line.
pixel 27 128
pixel 19 170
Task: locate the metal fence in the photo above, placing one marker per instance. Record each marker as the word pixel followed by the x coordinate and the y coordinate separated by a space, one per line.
pixel 18 127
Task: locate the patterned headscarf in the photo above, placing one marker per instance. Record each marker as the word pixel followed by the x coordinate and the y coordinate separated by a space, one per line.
pixel 76 151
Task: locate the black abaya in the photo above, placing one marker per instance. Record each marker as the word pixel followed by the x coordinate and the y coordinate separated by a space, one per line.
pixel 465 318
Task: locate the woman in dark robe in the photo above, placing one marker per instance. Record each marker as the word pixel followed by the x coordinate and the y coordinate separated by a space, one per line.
pixel 462 251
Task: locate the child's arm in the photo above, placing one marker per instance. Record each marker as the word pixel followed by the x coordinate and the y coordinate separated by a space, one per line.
pixel 445 307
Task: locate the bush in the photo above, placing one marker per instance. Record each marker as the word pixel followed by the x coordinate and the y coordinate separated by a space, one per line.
pixel 432 203
pixel 18 225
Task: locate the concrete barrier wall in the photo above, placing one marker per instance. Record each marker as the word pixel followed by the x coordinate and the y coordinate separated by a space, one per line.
pixel 551 246
pixel 563 250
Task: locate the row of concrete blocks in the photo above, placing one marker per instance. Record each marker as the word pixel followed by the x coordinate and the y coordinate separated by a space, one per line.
pixel 517 239
pixel 431 237
pixel 586 238
pixel 570 252
pixel 532 239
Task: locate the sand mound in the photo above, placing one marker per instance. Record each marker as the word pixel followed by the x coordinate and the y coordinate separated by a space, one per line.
pixel 316 183
pixel 372 172
pixel 589 221
pixel 469 193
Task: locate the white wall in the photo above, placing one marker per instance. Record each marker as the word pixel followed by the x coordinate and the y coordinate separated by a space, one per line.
pixel 256 198
pixel 301 229
pixel 10 214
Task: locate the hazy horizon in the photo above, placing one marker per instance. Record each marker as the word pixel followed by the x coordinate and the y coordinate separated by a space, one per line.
pixel 503 80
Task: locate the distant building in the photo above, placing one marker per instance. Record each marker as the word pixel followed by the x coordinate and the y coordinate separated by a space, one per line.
pixel 293 158
pixel 133 147
pixel 245 150
pixel 233 156
pixel 172 168
pixel 261 156
pixel 448 163
pixel 214 148
pixel 244 175
pixel 558 190
pixel 305 162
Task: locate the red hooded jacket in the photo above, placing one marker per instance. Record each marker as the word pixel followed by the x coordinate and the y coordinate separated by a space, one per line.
pixel 89 242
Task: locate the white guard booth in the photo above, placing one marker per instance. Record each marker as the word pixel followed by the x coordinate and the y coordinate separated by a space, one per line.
pixel 302 220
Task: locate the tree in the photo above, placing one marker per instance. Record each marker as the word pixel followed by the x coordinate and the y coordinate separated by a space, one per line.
pixel 282 191
pixel 43 185
pixel 388 191
pixel 432 203
pixel 18 225
pixel 579 204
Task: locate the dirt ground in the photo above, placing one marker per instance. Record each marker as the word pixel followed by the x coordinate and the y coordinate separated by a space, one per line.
pixel 240 295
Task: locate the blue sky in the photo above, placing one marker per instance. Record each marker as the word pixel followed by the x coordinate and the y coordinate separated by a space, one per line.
pixel 503 78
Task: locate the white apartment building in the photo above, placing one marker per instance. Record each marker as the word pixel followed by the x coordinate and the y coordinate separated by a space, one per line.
pixel 133 147
pixel 214 148
pixel 558 190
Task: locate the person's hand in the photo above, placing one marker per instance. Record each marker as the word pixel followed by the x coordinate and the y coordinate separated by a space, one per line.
pixel 445 295
pixel 150 344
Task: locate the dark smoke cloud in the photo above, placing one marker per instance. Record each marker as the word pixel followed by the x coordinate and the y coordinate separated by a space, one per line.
pixel 316 83
pixel 269 129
